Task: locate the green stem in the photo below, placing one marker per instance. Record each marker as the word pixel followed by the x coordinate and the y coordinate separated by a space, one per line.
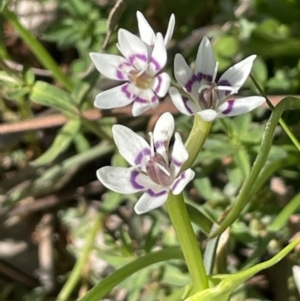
pixel 75 275
pixel 188 241
pixel 245 191
pixel 281 121
pixel 37 49
pixel 178 213
pixel 196 140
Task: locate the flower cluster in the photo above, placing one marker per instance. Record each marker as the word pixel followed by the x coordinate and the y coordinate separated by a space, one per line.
pixel 154 170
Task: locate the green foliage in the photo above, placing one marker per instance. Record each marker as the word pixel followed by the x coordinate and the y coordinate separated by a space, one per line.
pixel 232 191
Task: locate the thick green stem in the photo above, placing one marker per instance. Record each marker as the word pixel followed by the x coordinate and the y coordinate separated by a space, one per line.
pixel 196 139
pixel 178 213
pixel 75 275
pixel 188 241
pixel 37 49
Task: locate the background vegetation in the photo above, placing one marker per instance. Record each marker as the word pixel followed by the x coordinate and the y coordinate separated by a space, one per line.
pixel 58 223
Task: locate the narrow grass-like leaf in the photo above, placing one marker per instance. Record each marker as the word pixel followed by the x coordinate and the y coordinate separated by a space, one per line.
pixel 60 143
pixel 55 177
pixel 51 96
pixel 108 283
pixel 278 223
pixel 226 284
pixel 245 192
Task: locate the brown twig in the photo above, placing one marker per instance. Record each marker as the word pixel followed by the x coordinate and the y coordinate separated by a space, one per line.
pixel 43 122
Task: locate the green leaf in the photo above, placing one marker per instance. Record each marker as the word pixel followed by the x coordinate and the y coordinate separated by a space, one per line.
pixel 55 177
pixel 225 48
pixel 29 76
pixel 9 80
pixel 53 97
pixel 81 143
pixel 205 189
pixel 111 200
pixel 199 218
pixel 18 93
pixel 105 286
pixel 60 143
pixel 224 285
pixel 277 224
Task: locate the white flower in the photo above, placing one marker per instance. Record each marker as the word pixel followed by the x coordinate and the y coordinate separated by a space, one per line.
pixel 146 32
pixel 153 170
pixel 209 99
pixel 140 69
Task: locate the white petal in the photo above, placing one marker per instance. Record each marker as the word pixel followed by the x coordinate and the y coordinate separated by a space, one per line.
pixel 183 73
pixel 236 75
pixel 162 134
pixel 133 48
pixel 240 106
pixel 183 104
pixel 116 97
pixel 112 66
pixel 146 32
pixel 205 62
pixel 170 30
pixel 208 115
pixel 180 182
pixel 118 179
pixel 158 56
pixel 145 100
pixel 161 84
pixel 132 147
pixel 150 200
pixel 179 155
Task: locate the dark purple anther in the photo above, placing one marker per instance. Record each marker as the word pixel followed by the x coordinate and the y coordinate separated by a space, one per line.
pixel 157 174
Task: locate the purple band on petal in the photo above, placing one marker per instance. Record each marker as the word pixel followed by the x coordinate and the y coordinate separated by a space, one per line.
pixel 158 84
pixel 201 76
pixel 185 100
pixel 225 82
pixel 142 100
pixel 155 63
pixel 145 152
pixel 119 72
pixel 229 108
pixel 182 176
pixel 156 194
pixel 188 86
pixel 120 75
pixel 133 181
pixel 141 57
pixel 176 163
pixel 159 144
pixel 127 93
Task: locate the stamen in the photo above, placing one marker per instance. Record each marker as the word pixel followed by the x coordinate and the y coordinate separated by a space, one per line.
pixel 163 169
pixel 142 71
pixel 226 88
pixel 203 87
pixel 151 144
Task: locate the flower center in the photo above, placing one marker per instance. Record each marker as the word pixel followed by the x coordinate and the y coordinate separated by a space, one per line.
pixel 209 96
pixel 141 79
pixel 158 170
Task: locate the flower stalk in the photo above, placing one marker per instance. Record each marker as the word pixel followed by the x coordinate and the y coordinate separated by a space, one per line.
pixel 188 241
pixel 178 213
pixel 196 139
